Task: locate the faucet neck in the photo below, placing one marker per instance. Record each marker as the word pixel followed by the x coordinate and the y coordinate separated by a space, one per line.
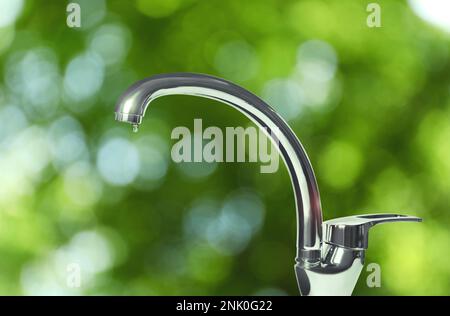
pixel 132 105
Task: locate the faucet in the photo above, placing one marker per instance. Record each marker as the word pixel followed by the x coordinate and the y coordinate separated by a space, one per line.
pixel 330 255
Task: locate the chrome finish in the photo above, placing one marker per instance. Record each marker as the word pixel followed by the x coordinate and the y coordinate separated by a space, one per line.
pixel 322 268
pixel 133 103
pixel 343 250
pixel 336 274
pixel 353 231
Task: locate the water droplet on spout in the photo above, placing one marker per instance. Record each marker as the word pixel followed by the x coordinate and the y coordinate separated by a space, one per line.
pixel 135 128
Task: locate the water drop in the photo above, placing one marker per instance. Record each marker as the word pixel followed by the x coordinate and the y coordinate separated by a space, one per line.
pixel 135 128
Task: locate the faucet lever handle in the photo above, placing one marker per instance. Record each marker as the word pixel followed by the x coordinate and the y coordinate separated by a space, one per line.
pixel 353 231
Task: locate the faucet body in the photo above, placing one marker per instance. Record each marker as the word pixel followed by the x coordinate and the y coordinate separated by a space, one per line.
pixel 329 266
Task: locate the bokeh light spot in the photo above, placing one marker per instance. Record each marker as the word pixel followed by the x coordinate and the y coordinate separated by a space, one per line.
pixel 67 141
pixel 82 185
pixel 13 121
pixel 340 164
pixel 227 229
pixel 286 96
pixel 435 12
pixel 118 161
pixel 111 43
pixel 93 12
pixel 316 60
pixel 34 78
pixel 237 61
pixel 90 251
pixel 83 79
pixel 9 11
pixel 158 8
pixel 315 71
pixel 154 160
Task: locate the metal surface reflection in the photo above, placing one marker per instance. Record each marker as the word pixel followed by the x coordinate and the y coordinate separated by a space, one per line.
pixel 323 267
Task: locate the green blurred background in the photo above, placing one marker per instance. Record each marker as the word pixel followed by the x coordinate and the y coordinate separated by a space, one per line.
pixel 371 106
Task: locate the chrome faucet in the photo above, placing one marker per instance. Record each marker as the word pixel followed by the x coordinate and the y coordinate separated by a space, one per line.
pixel 330 255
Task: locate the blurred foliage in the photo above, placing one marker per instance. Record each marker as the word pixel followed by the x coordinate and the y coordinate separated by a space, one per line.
pixel 371 106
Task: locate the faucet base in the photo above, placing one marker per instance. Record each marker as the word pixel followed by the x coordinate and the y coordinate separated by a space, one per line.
pixel 318 283
pixel 336 274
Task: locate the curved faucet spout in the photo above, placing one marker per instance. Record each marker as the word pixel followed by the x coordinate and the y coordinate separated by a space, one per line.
pixel 133 103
